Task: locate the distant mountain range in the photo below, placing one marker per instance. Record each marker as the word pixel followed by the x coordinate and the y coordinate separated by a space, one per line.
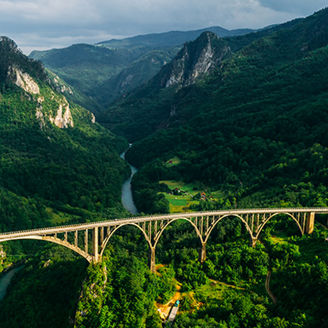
pixel 98 74
pixel 169 39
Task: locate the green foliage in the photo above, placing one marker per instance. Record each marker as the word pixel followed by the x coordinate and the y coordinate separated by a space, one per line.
pixel 42 166
pixel 120 293
pixel 11 57
pixel 255 131
pixel 45 291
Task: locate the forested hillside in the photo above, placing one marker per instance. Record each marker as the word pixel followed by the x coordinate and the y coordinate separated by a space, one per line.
pixel 253 129
pixel 57 166
pixel 233 122
pixel 50 152
pixel 101 73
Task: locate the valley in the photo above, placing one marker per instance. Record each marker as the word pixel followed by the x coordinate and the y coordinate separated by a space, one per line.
pixel 224 121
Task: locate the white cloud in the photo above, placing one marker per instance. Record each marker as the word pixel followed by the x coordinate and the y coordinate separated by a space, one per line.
pixel 50 23
pixel 295 6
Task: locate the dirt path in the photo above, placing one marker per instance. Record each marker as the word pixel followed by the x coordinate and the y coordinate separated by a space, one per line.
pixel 267 287
pixel 164 309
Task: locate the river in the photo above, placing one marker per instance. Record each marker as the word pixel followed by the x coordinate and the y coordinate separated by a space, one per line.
pixel 127 198
pixel 5 280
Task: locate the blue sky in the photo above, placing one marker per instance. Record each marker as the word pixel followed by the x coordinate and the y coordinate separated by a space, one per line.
pixel 44 24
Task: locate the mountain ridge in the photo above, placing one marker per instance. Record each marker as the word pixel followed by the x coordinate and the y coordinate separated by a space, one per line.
pixel 101 73
pixel 43 141
pixel 171 38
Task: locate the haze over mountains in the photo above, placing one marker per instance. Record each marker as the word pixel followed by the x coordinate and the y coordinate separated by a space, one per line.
pixel 100 73
pixel 223 105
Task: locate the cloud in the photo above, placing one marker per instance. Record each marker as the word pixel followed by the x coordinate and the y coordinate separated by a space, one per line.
pixel 48 23
pixel 302 7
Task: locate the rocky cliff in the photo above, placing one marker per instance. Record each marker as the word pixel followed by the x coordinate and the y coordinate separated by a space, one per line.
pixel 195 60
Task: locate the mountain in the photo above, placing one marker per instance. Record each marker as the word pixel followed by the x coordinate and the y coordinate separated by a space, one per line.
pixel 168 39
pixel 50 151
pixel 253 127
pixel 124 116
pixel 99 74
pixel 196 60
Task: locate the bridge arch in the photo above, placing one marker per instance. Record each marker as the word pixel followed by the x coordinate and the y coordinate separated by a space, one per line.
pixel 275 214
pixel 225 216
pixel 176 219
pixel 57 241
pixel 108 237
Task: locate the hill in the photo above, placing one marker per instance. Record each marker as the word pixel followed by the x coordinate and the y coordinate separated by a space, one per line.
pixel 50 151
pixel 252 128
pixel 99 74
pixel 169 39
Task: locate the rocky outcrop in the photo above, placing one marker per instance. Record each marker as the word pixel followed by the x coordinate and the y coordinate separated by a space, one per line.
pixel 195 60
pixel 63 118
pixel 60 86
pixel 93 118
pixel 26 82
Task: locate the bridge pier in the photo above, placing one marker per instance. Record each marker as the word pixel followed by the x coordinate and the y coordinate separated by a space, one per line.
pixel 202 253
pixel 95 244
pixel 152 259
pixel 253 242
pixel 310 223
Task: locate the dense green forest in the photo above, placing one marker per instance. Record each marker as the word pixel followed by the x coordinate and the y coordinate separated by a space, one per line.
pixel 228 290
pixel 255 130
pixel 103 72
pixel 51 175
pixel 250 133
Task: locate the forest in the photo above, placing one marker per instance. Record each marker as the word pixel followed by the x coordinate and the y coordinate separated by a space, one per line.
pixel 250 134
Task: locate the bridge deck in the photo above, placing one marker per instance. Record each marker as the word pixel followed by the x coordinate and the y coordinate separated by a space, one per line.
pixel 141 219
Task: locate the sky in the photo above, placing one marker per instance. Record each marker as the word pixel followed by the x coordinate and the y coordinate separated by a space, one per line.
pixel 45 24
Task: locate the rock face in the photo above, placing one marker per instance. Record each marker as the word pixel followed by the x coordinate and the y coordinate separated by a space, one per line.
pixel 93 118
pixel 195 60
pixel 25 81
pixel 63 118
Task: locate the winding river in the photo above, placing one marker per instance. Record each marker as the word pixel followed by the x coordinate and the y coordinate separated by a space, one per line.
pixel 127 198
pixel 6 279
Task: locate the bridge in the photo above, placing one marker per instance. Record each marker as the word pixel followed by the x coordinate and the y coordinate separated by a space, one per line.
pixel 90 239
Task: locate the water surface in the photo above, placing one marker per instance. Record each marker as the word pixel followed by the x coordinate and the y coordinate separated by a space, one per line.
pixel 127 198
pixel 5 280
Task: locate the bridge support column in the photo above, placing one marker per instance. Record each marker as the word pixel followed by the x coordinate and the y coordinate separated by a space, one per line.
pixel 152 259
pixel 310 223
pixel 202 253
pixel 95 243
pixel 253 242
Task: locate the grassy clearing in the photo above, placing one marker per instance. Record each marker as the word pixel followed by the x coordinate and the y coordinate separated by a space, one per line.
pixel 180 203
pixel 174 161
pixel 280 237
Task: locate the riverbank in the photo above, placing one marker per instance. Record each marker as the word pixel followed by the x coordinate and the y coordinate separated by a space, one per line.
pixel 5 279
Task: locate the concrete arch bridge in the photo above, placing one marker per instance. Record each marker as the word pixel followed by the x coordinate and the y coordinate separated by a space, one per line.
pixel 90 239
